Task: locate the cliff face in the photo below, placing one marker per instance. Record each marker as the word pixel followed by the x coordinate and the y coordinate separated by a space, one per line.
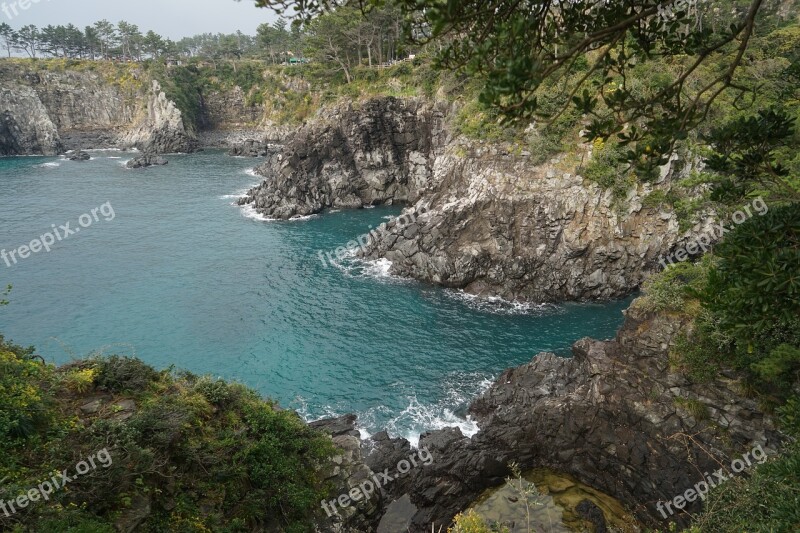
pixel 46 112
pixel 482 218
pixel 614 416
pixel 379 153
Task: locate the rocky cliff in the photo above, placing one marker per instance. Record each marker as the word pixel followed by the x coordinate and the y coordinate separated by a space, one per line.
pixel 615 416
pixel 378 152
pixel 482 218
pixel 48 111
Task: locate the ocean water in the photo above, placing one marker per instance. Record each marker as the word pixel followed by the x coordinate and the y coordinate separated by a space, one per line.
pixel 168 269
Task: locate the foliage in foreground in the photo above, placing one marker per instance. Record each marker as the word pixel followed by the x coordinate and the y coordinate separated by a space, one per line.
pixel 205 454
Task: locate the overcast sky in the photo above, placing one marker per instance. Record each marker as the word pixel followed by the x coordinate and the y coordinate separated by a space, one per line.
pixel 169 18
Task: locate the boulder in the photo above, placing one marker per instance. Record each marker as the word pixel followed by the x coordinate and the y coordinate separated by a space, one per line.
pixel 146 160
pixel 79 155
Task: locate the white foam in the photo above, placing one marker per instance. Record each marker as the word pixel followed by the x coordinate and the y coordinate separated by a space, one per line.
pixel 498 305
pixel 51 164
pixel 249 211
pixel 114 157
pixel 252 172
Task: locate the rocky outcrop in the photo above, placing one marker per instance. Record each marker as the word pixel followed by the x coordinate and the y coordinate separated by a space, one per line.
pixel 48 111
pixel 80 155
pixel 25 126
pixel 248 148
pixel 148 159
pixel 379 152
pixel 494 224
pixel 347 471
pixel 614 416
pixel 160 129
pixel 483 218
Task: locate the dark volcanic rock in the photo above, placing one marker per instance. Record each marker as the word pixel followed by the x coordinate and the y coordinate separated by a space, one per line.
pixel 80 155
pixel 146 160
pixel 485 219
pixel 248 148
pixel 611 416
pixel 379 153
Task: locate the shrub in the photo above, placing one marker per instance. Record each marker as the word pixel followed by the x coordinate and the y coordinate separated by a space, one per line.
pixel 124 374
pixel 23 409
pixel 673 289
pixel 472 522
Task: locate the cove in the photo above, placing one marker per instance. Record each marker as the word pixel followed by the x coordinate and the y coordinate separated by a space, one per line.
pixel 183 277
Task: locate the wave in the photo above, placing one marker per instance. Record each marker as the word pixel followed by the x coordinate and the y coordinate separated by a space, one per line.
pixel 51 164
pixel 249 211
pixel 498 305
pixel 417 416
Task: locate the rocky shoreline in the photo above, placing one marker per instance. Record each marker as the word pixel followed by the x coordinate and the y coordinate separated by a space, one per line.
pixel 494 224
pixel 614 416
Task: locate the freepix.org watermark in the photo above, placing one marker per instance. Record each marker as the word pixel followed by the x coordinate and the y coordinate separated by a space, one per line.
pixel 57 234
pixel 46 488
pixel 364 240
pixel 705 240
pixel 368 487
pixel 12 9
pixel 701 488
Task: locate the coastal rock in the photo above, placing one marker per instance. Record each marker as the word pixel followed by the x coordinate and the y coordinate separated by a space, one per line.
pixel 481 218
pixel 146 160
pixel 378 152
pixel 80 155
pixel 346 471
pixel 160 128
pixel 25 125
pixel 48 111
pixel 613 416
pixel 248 148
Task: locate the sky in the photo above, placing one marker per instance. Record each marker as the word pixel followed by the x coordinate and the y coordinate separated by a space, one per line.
pixel 169 18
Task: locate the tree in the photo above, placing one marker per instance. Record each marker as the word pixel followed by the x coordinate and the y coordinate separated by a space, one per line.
pixel 153 44
pixel 130 40
pixel 107 35
pixel 329 39
pixel 27 40
pixel 92 41
pixel 591 47
pixel 7 36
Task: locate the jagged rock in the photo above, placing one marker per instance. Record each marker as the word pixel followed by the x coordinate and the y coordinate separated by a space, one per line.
pixel 345 472
pixel 146 160
pixel 248 148
pixel 80 155
pixel 378 153
pixel 482 218
pixel 46 112
pixel 607 416
pixel 25 125
pixel 592 514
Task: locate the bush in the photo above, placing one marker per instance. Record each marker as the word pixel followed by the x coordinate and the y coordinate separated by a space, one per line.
pixel 766 501
pixel 674 288
pixel 23 407
pixel 472 522
pixel 124 374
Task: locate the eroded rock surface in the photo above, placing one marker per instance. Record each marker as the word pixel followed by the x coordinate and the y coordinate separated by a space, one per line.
pixel 614 416
pixel 379 152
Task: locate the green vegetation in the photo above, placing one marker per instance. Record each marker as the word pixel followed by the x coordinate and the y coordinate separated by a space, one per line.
pixel 203 454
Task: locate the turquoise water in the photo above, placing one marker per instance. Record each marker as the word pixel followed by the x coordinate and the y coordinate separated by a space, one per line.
pixel 182 277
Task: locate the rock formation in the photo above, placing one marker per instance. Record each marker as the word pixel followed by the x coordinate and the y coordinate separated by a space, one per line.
pixel 148 159
pixel 493 223
pixel 615 416
pixel 380 152
pixel 47 111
